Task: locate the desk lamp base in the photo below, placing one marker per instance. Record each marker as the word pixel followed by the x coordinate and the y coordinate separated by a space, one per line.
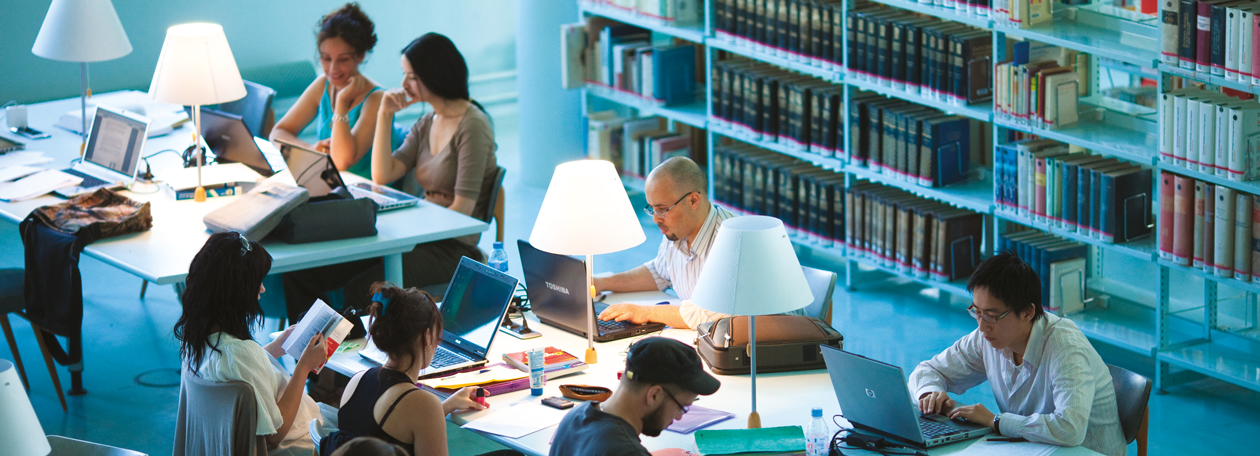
pixel 754 420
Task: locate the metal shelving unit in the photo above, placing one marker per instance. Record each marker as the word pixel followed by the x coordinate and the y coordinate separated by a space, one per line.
pixel 781 62
pixel 1252 186
pixel 981 112
pixel 830 163
pixel 1096 33
pixel 691 113
pixel 948 14
pixel 1111 133
pixel 1142 249
pixel 691 32
pixel 975 195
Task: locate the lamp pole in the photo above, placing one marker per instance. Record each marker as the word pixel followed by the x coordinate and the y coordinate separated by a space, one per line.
pixel 754 419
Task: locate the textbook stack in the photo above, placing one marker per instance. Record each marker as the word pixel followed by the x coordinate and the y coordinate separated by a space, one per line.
pixel 1210 227
pixel 623 58
pixel 806 31
pixel 1040 86
pixel 1219 38
pixel 913 143
pixel 763 102
pixel 1045 252
pixel 636 146
pixel 912 235
pixel 1209 132
pixel 808 199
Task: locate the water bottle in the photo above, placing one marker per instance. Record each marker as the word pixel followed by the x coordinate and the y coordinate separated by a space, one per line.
pixel 537 361
pixel 498 258
pixel 817 436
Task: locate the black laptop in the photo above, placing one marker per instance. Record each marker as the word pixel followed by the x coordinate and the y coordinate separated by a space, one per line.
pixel 556 287
pixel 230 140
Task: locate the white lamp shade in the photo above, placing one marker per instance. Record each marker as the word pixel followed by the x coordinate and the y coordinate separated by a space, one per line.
pixel 81 31
pixel 21 433
pixel 752 270
pixel 196 67
pixel 586 212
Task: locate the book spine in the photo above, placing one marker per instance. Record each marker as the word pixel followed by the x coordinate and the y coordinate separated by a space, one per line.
pixel 1170 16
pixel 1255 238
pixel 1242 237
pixel 1167 193
pixel 1231 43
pixel 1188 31
pixel 1023 178
pixel 1223 254
pixel 1203 38
pixel 1221 142
pixel 1096 208
pixel 1039 191
pixel 1207 138
pixel 1110 209
pixel 897 56
pixel 1209 226
pixel 1192 133
pixel 1216 35
pixel 1255 48
pixel 1243 35
pixel 1070 215
pixel 1183 220
pixel 1179 130
pixel 1199 194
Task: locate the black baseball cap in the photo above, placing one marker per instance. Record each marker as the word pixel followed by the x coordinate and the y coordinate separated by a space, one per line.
pixel 665 360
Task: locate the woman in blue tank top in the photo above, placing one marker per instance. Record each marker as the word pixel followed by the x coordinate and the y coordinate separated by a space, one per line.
pixel 336 100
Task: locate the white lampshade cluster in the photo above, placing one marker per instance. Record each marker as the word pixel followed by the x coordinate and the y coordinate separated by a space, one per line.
pixel 21 433
pixel 81 31
pixel 196 67
pixel 586 212
pixel 752 270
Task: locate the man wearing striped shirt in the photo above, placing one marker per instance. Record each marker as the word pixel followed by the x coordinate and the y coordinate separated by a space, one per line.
pixel 1049 383
pixel 678 202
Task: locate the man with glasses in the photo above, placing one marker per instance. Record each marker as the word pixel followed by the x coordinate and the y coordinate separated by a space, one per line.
pixel 1049 383
pixel 663 377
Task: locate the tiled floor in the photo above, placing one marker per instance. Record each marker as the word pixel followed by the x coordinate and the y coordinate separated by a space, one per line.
pixel 129 344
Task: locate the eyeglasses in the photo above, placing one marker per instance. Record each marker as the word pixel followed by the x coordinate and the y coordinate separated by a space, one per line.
pixel 685 408
pixel 652 212
pixel 975 313
pixel 245 247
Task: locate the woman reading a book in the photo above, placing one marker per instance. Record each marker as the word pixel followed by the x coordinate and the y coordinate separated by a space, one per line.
pixel 449 153
pixel 384 402
pixel 220 309
pixel 342 102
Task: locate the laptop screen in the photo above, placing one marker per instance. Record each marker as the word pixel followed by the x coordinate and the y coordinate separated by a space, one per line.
pixel 312 170
pixel 474 305
pixel 116 141
pixel 229 138
pixel 555 284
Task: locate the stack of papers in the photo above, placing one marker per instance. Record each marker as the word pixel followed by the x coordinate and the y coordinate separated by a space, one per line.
pixel 36 185
pixel 983 447
pixel 519 420
pixel 163 117
pixel 23 158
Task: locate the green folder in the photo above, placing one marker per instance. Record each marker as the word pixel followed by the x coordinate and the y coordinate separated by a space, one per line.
pixel 766 441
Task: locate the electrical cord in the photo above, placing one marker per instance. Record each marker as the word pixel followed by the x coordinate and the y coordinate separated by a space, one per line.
pixel 852 441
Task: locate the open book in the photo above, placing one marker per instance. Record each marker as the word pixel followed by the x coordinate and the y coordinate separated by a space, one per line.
pixel 321 319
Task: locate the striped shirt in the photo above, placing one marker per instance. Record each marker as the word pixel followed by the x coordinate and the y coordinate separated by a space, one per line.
pixel 1061 394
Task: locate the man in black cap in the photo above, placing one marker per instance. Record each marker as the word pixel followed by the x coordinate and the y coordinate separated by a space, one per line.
pixel 662 378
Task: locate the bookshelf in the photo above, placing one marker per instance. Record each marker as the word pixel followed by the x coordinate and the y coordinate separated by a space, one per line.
pixel 1184 345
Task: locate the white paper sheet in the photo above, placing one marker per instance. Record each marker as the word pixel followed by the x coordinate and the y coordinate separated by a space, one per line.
pixel 27 157
pixel 983 447
pixel 37 184
pixel 14 172
pixel 518 421
pixel 320 319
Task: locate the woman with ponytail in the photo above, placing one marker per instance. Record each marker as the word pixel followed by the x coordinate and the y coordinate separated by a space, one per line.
pixel 384 402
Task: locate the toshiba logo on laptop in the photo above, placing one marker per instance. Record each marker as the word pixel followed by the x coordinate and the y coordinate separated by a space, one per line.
pixel 557 287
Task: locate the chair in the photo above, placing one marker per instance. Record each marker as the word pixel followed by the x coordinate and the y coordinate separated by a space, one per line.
pixel 65 446
pixel 495 211
pixel 1132 393
pixel 823 285
pixel 216 418
pixel 319 431
pixel 254 109
pixel 12 281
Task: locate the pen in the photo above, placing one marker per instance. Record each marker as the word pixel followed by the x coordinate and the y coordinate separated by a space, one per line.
pixel 662 303
pixel 1007 439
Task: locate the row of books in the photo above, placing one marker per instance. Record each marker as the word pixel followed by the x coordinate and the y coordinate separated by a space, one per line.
pixel 669 12
pixel 623 58
pixel 1209 227
pixel 636 146
pixel 806 31
pixel 1100 197
pixel 768 103
pixel 808 199
pixel 1213 36
pixel 1060 264
pixel 911 142
pixel 912 235
pixel 1210 132
pixel 1040 85
pixel 945 60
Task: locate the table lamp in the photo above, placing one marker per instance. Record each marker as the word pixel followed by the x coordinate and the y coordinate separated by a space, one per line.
pixel 81 31
pixel 586 212
pixel 21 433
pixel 196 68
pixel 752 270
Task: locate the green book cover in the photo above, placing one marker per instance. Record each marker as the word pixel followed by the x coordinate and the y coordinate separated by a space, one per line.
pixel 775 440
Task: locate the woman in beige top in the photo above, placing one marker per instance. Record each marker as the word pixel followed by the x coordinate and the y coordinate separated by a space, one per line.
pixel 450 154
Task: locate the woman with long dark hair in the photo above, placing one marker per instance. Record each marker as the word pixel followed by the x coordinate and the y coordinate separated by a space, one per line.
pixel 220 311
pixel 407 326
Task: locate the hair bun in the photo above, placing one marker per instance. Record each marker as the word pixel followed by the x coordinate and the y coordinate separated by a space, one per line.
pixel 350 24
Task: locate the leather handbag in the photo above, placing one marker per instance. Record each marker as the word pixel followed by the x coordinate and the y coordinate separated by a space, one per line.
pixel 328 218
pixel 785 343
pixel 257 212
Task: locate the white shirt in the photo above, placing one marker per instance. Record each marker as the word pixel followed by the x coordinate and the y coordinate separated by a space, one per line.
pixel 1061 394
pixel 246 361
pixel 678 265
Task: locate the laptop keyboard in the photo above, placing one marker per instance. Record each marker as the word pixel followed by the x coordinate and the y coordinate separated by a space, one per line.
pixel 610 325
pixel 933 429
pixel 443 357
pixel 88 181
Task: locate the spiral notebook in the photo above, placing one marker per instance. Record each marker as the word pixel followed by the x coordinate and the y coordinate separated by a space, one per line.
pixel 697 418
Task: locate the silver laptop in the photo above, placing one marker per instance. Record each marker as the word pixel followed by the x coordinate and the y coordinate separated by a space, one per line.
pixel 874 397
pixel 114 149
pixel 472 309
pixel 315 171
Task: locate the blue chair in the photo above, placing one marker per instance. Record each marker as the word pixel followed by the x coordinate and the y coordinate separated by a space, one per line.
pixel 254 109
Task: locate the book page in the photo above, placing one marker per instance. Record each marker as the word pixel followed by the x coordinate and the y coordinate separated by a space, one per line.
pixel 320 319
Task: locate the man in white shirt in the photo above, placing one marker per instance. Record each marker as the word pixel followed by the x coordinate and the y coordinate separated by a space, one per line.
pixel 678 202
pixel 1049 383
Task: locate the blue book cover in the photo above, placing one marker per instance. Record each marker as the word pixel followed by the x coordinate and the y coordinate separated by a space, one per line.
pixel 1021 53
pixel 951 147
pixel 673 74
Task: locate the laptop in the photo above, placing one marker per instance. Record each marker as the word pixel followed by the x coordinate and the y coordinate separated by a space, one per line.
pixel 875 398
pixel 230 140
pixel 114 149
pixel 555 285
pixel 315 171
pixel 474 304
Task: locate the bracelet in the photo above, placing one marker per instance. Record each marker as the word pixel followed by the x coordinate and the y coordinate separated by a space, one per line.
pixel 996 419
pixel 341 118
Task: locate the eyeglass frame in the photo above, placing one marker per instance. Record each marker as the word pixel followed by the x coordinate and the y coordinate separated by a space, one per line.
pixel 245 247
pixel 652 212
pixel 975 313
pixel 685 408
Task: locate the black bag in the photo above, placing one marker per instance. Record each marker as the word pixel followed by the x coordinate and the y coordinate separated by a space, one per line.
pixel 328 218
pixel 785 343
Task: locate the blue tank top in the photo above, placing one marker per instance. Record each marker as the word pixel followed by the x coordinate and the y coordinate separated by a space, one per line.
pixel 323 130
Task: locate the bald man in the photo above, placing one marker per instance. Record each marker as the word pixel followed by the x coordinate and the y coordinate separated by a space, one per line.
pixel 678 202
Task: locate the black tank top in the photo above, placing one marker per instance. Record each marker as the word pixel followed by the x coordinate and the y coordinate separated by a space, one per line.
pixel 356 417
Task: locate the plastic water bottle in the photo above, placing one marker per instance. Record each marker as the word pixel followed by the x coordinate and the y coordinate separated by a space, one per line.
pixel 498 258
pixel 817 435
pixel 537 361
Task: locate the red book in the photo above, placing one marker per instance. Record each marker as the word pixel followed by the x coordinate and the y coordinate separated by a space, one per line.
pixel 552 356
pixel 1167 193
pixel 1183 221
pixel 1209 225
pixel 1255 49
pixel 1198 224
pixel 1203 38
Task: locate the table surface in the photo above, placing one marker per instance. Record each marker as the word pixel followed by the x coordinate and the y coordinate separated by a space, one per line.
pixel 785 399
pixel 162 254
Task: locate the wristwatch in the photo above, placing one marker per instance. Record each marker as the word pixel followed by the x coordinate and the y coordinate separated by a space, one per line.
pixel 996 420
pixel 340 118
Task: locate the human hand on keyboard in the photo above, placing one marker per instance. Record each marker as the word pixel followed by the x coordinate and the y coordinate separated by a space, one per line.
pixel 936 402
pixel 974 413
pixel 633 313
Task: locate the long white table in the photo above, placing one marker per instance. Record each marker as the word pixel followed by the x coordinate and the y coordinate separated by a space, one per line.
pixel 784 399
